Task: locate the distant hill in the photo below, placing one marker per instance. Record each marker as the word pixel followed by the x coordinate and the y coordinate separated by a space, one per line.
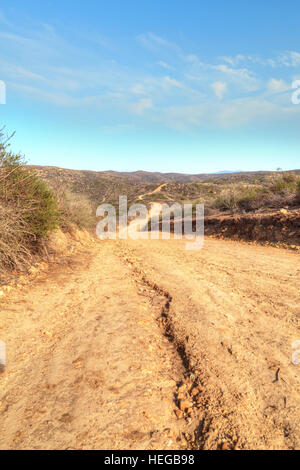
pixel 156 177
pixel 106 186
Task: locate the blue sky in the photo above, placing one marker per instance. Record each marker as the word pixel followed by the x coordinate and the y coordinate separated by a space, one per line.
pixel 171 85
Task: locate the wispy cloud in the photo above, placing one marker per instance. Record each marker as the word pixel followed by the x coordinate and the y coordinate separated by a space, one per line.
pixel 290 59
pixel 155 43
pixel 219 89
pixel 173 82
pixel 167 84
pixel 164 65
pixel 141 106
pixel 277 86
pixel 283 59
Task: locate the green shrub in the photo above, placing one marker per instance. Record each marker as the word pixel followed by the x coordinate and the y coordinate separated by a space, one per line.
pixel 286 183
pixel 249 200
pixel 281 186
pixel 289 177
pixel 22 189
pixel 28 208
pixel 240 198
pixel 227 200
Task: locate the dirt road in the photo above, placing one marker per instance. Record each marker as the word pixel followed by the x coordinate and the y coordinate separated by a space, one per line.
pixel 156 191
pixel 144 345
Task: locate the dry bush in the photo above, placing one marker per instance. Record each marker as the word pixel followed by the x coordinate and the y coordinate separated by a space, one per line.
pixel 277 200
pixel 14 248
pixel 27 208
pixel 283 191
pixel 75 209
pixel 229 199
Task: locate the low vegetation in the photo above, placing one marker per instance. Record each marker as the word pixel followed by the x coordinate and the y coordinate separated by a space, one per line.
pixel 74 209
pixel 229 194
pixel 281 191
pixel 30 208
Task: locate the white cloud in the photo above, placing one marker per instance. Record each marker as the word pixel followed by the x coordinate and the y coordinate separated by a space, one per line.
pixel 192 58
pixel 243 74
pixel 18 72
pixel 155 43
pixel 138 89
pixel 164 65
pixel 277 86
pixel 181 89
pixel 59 99
pixel 141 106
pixel 290 59
pixel 286 59
pixel 242 78
pixel 173 82
pixel 219 88
pixel 236 113
pixel 233 61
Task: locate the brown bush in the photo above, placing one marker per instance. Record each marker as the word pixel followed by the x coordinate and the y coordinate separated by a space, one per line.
pixel 74 209
pixel 14 248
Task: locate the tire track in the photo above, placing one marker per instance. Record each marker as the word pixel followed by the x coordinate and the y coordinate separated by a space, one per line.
pixel 188 397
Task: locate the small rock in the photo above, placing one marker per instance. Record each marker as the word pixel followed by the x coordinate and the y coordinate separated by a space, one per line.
pixel 225 446
pixel 32 270
pixel 47 333
pixel 179 414
pixel 185 404
pixel 6 288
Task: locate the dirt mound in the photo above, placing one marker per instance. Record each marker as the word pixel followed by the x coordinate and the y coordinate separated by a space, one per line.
pixel 59 242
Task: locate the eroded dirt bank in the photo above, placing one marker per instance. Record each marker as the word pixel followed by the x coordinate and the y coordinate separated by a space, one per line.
pixel 279 226
pixel 144 345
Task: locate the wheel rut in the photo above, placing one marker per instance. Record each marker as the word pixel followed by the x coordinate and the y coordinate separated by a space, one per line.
pixel 188 397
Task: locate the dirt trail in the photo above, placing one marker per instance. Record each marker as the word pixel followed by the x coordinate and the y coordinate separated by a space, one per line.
pixel 89 365
pixel 157 190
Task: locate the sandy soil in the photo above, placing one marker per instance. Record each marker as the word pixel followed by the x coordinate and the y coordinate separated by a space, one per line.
pixel 89 364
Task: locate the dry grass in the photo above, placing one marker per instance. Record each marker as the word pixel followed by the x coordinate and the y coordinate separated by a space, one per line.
pixel 75 209
pixel 14 249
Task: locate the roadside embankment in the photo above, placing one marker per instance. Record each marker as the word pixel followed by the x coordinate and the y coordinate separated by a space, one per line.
pixel 56 249
pixel 278 227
